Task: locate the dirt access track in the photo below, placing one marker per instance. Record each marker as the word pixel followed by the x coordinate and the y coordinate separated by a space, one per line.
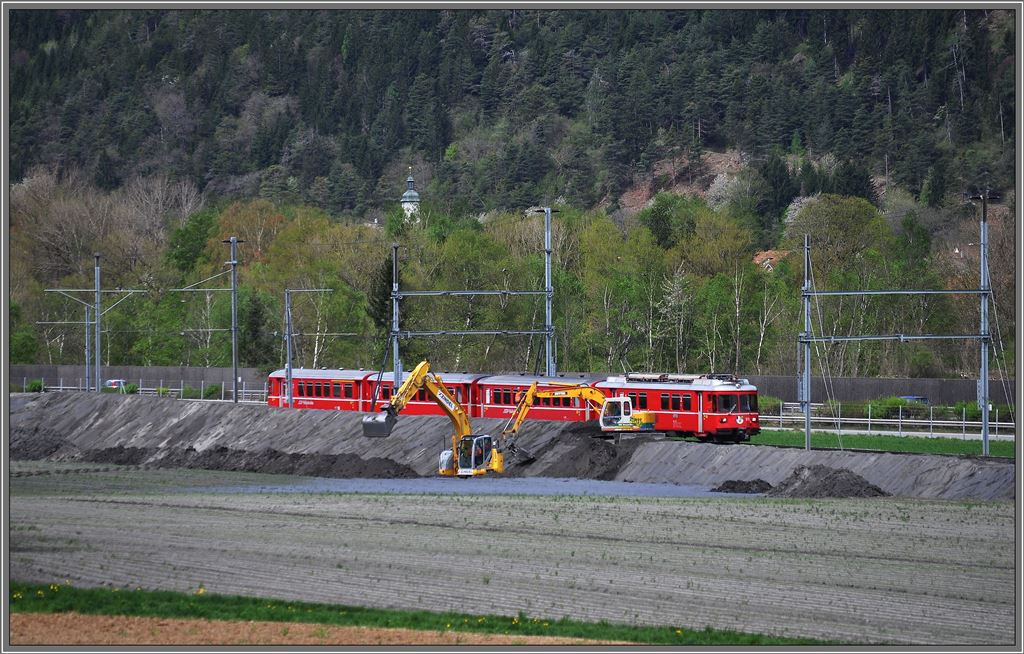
pixel 879 570
pixel 158 432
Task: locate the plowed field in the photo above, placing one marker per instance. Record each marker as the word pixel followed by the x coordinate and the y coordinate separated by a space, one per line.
pixel 878 570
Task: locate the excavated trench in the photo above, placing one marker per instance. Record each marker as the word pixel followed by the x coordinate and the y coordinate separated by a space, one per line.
pixel 159 432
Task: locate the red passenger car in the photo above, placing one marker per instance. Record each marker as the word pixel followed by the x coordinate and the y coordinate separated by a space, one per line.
pixel 718 407
pixel 501 393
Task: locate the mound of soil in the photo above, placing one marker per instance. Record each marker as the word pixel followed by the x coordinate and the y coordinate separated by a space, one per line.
pixel 578 452
pixel 268 461
pixel 740 486
pixel 35 444
pixel 822 481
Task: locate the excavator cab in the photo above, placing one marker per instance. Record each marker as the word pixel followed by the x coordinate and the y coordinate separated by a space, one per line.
pixel 476 455
pixel 617 415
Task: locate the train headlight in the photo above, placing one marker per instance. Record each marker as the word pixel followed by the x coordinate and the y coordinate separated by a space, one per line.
pixel 722 420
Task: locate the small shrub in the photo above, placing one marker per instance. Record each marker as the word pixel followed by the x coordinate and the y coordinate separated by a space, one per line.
pixel 211 392
pixel 107 389
pixel 163 391
pixel 190 393
pixel 889 407
pixel 768 404
pixel 34 386
pixel 131 389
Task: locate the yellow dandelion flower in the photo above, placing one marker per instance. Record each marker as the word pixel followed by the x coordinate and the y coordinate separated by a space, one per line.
pixel 39 593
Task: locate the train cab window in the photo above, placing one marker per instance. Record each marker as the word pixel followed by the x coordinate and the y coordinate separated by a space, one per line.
pixel 675 402
pixel 348 390
pixel 664 401
pixel 458 394
pixel 686 402
pixel 724 403
pixel 748 402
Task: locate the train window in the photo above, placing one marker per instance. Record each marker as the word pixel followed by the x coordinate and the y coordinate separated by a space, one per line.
pixel 421 395
pixel 675 402
pixel 664 401
pixel 643 401
pixel 299 390
pixel 458 394
pixel 748 402
pixel 319 389
pixel 727 403
pixel 348 390
pixel 632 400
pixel 507 396
pixel 686 402
pixel 545 401
pixel 309 389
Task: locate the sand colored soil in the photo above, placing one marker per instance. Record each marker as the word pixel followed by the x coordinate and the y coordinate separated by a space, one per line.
pixel 78 629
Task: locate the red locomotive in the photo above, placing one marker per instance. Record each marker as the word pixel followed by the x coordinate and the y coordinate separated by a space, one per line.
pixel 709 407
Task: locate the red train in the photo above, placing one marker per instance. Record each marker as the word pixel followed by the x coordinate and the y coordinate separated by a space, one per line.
pixel 717 407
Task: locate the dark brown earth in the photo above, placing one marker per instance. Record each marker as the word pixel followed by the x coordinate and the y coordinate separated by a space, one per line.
pixel 267 461
pixel 77 629
pixel 740 486
pixel 822 481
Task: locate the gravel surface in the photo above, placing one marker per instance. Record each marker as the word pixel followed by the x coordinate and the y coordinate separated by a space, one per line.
pixel 879 570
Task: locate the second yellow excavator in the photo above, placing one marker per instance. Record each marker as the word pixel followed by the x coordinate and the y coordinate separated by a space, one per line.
pixel 470 455
pixel 616 413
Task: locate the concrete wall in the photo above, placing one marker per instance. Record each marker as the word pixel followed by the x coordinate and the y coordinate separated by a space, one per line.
pixel 938 391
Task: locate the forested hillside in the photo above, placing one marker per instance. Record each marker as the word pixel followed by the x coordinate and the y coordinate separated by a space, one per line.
pixel 677 145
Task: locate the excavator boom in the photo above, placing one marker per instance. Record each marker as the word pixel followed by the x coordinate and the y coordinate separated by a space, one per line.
pixel 470 454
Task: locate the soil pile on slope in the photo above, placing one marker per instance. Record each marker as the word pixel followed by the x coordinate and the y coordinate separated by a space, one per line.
pixel 741 486
pixel 267 461
pixel 35 444
pixel 821 481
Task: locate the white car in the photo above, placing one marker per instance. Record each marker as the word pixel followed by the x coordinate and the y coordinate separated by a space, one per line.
pixel 119 384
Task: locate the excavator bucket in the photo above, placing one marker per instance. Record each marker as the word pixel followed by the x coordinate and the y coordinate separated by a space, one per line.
pixel 379 425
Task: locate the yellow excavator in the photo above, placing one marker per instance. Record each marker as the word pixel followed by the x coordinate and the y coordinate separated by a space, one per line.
pixel 616 413
pixel 470 455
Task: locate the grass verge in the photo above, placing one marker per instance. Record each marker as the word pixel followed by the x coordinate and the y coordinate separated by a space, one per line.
pixel 56 598
pixel 825 440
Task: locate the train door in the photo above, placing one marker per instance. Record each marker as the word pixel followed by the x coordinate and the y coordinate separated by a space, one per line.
pixel 700 413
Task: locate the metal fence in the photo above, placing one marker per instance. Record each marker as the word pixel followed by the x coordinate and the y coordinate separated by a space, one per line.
pixel 940 421
pixel 177 389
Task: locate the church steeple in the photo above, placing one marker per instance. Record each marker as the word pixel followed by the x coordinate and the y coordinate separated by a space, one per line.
pixel 410 199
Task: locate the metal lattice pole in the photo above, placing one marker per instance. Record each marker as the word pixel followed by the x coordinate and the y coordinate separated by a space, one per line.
pixel 983 382
pixel 806 381
pixel 88 383
pixel 397 367
pixel 288 344
pixel 234 318
pixel 97 311
pixel 549 292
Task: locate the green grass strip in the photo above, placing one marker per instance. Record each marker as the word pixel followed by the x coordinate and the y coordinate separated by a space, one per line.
pixel 826 440
pixel 56 598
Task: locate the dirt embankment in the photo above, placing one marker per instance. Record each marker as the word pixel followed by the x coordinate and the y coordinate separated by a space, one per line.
pixel 161 432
